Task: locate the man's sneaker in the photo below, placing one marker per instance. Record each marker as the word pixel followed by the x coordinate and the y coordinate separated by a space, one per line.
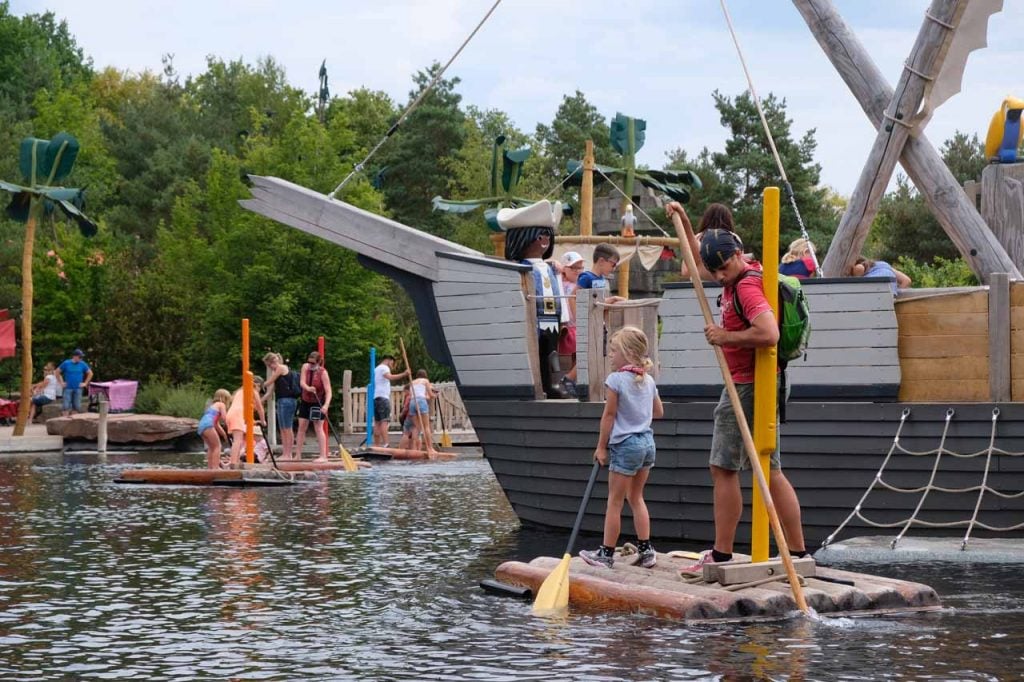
pixel 647 558
pixel 569 386
pixel 705 558
pixel 597 558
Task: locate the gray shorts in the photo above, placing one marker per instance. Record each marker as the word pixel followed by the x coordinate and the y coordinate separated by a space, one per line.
pixel 727 451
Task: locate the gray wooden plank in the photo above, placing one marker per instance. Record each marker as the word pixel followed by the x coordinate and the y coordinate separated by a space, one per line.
pixel 999 337
pixel 503 299
pixel 513 345
pixel 454 318
pixel 484 332
pixel 504 361
pixel 489 377
pixel 442 289
pixel 495 277
pixel 820 338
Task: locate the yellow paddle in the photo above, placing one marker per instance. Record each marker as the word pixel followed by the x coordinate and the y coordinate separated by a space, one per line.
pixel 553 595
pixel 446 440
pixel 685 234
pixel 346 457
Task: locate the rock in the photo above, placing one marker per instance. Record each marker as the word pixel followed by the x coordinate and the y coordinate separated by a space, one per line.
pixel 123 428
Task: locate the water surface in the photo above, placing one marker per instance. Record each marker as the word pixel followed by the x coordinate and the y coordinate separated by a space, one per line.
pixel 373 576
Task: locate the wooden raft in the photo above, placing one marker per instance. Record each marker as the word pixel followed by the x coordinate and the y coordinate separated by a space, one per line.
pixel 303 465
pixel 661 592
pixel 221 477
pixel 377 452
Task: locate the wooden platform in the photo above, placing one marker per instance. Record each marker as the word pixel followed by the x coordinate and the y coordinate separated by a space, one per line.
pixel 662 592
pixel 223 477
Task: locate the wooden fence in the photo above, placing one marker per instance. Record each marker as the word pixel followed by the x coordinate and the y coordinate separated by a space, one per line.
pixel 453 412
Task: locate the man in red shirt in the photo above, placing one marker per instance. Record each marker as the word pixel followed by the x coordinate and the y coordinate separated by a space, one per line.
pixel 721 253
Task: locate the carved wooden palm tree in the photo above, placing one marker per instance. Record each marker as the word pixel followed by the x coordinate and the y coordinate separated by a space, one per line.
pixel 42 163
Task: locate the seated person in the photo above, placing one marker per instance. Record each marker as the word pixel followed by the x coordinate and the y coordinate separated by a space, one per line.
pixel 45 392
pixel 799 260
pixel 865 267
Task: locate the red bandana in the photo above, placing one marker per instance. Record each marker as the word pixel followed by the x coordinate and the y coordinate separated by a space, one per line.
pixel 635 369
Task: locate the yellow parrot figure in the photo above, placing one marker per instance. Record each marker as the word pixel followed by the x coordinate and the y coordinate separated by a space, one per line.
pixel 1005 132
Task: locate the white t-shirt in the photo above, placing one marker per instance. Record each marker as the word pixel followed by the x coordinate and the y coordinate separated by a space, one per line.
pixel 50 389
pixel 381 385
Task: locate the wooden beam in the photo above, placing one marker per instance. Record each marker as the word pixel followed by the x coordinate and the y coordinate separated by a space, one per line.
pixel 587 191
pixel 999 337
pixel 947 201
pixel 925 60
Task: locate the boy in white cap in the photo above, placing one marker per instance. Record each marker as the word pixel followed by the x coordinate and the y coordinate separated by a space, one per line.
pixel 530 239
pixel 572 266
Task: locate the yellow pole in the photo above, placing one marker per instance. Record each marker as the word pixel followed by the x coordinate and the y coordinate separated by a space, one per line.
pixel 498 239
pixel 624 264
pixel 247 405
pixel 765 370
pixel 587 192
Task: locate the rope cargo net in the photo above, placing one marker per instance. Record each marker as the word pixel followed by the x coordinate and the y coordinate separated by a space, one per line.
pixel 981 489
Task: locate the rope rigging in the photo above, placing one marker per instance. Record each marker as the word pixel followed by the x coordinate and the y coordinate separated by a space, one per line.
pixel 430 86
pixel 913 520
pixel 771 140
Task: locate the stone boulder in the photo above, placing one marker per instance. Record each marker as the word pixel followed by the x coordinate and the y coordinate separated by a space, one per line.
pixel 123 428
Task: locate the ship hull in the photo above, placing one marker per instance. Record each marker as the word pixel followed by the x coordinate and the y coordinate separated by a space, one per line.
pixel 541 453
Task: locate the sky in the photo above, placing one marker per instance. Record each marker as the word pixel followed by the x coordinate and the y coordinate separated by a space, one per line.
pixel 658 60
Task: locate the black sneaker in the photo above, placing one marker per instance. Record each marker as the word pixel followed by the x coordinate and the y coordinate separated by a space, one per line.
pixel 597 558
pixel 647 558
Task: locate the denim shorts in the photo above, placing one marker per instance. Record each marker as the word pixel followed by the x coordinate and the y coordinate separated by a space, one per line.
pixel 411 419
pixel 286 412
pixel 727 450
pixel 630 455
pixel 72 399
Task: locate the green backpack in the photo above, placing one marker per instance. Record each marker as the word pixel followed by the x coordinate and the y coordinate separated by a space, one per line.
pixel 794 316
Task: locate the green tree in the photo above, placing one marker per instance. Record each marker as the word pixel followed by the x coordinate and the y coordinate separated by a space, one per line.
pixel 575 122
pixel 418 153
pixel 748 167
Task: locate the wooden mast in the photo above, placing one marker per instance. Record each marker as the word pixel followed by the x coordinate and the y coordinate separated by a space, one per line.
pixel 587 192
pixel 922 162
pixel 926 57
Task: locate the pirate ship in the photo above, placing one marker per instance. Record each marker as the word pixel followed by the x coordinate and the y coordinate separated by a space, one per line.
pixel 888 390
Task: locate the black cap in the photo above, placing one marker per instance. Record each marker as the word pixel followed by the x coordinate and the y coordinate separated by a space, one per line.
pixel 717 246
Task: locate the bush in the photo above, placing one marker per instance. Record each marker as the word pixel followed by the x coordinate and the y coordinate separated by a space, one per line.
pixel 187 400
pixel 941 272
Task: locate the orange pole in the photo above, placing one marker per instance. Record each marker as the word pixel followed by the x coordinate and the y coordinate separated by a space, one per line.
pixel 247 407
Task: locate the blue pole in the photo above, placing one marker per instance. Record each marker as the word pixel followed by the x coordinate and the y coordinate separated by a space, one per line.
pixel 369 398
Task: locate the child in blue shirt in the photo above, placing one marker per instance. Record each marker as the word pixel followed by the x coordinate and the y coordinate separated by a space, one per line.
pixel 626 444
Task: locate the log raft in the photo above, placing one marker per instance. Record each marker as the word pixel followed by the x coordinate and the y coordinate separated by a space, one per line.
pixel 662 592
pixel 220 477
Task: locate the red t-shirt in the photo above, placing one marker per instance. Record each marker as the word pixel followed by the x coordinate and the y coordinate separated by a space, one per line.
pixel 750 292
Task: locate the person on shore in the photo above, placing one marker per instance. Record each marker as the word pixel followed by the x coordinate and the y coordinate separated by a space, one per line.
pixel 721 253
pixel 572 266
pixel 314 402
pixel 74 375
pixel 283 384
pixel 626 444
pixel 865 267
pixel 799 260
pixel 45 392
pixel 236 419
pixel 530 240
pixel 210 429
pixel 382 378
pixel 417 421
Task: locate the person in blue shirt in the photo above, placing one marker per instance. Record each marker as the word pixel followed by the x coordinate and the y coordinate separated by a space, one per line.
pixel 865 267
pixel 74 375
pixel 606 259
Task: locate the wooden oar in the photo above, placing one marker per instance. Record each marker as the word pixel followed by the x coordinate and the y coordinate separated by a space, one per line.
pixel 553 595
pixel 446 440
pixel 419 417
pixel 685 234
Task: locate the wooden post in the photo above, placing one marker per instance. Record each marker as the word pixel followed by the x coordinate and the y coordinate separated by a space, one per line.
pixel 532 346
pixel 999 380
pixel 346 401
pixel 25 400
pixel 925 61
pixel 597 366
pixel 587 192
pixel 101 424
pixel 1002 206
pixel 947 201
pixel 498 239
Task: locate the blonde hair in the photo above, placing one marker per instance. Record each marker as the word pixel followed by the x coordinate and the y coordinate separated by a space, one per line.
pixel 633 344
pixel 271 357
pixel 223 396
pixel 797 249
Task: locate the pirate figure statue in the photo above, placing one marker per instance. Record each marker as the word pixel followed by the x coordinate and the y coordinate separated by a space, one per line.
pixel 530 239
